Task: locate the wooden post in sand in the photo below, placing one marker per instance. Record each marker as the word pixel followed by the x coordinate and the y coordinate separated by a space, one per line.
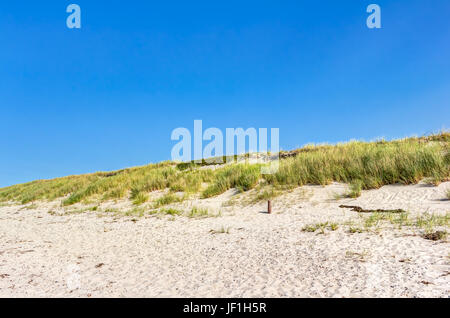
pixel 269 207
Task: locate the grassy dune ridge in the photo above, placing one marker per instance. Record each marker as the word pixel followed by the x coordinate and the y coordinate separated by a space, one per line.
pixel 365 165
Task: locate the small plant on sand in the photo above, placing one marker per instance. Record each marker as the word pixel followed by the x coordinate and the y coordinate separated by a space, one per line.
pixel 374 219
pixel 309 228
pixel 170 211
pixel 167 199
pixel 140 198
pixel 355 189
pixel 222 230
pixel 334 226
pixel 429 221
pixel 137 211
pixel 354 230
pixel 267 193
pixel 197 212
pixel 320 226
pixel 111 210
pixel 400 219
pixel 448 194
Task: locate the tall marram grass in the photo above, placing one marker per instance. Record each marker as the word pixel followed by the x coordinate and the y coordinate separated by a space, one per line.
pixel 241 176
pixel 373 164
pixel 368 164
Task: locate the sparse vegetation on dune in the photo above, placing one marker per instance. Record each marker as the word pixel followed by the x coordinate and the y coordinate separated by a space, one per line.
pixel 197 212
pixel 355 189
pixel 168 199
pixel 331 226
pixel 222 230
pixel 427 224
pixel 267 193
pixel 364 165
pixel 138 196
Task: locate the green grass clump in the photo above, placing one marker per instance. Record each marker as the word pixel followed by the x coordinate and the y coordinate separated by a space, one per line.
pixel 167 199
pixel 137 211
pixel 241 176
pixel 370 164
pixel 310 228
pixel 364 165
pixel 354 230
pixel 433 226
pixel 320 226
pixel 375 219
pixel 267 193
pixel 429 221
pixel 334 226
pixel 191 181
pixel 171 211
pixel 197 212
pixel 248 178
pixel 355 189
pixel 140 198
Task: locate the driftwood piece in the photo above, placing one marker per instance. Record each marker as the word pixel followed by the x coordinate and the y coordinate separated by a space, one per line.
pixel 361 210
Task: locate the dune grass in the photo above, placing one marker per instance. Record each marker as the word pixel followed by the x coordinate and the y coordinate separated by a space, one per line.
pixel 139 198
pixel 371 165
pixel 241 176
pixel 331 226
pixel 199 212
pixel 267 193
pixel 168 198
pixel 171 211
pixel 355 189
pixel 364 165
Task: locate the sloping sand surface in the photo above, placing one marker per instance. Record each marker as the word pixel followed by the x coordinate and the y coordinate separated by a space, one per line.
pixel 245 252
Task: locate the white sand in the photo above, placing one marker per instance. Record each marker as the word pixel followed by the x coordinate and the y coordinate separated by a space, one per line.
pixel 84 255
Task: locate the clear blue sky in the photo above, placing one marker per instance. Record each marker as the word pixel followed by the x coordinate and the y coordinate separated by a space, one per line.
pixel 109 95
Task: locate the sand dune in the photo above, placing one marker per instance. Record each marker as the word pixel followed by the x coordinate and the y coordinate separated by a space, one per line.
pixel 242 253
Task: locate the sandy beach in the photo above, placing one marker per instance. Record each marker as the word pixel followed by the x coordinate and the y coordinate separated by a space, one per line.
pixel 241 251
